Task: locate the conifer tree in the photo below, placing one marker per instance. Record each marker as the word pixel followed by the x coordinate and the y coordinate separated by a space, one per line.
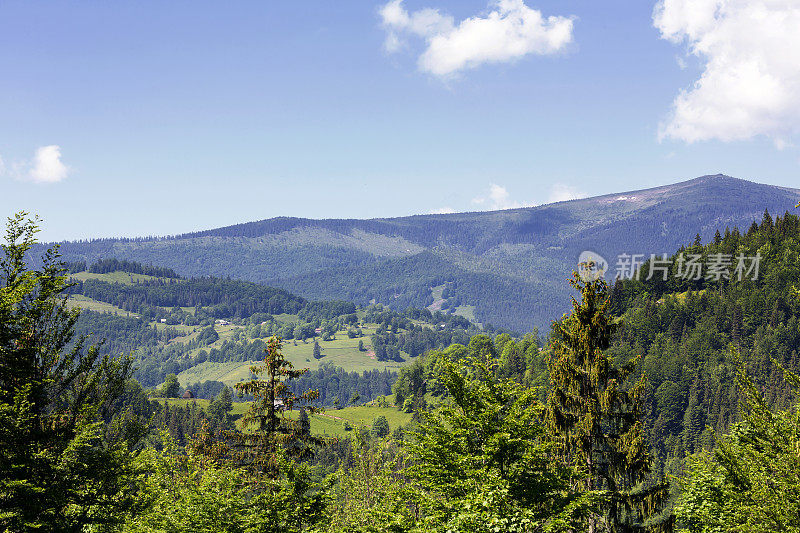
pixel 766 221
pixel 317 352
pixel 58 471
pixel 266 428
pixel 598 418
pixel 617 297
pixel 220 408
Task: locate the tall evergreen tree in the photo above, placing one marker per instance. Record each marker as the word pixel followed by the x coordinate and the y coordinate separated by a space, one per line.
pixel 267 428
pixel 598 418
pixel 221 407
pixel 58 470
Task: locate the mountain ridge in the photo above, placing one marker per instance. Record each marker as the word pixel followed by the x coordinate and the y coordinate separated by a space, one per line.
pixel 286 220
pixel 510 265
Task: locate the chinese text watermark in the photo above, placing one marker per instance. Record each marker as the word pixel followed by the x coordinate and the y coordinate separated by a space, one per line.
pixel 714 267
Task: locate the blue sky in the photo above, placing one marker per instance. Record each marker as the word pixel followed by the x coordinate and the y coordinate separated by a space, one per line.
pixel 153 118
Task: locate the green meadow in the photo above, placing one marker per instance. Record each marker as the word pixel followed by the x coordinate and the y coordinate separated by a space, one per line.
pixel 330 422
pixel 119 276
pixel 78 300
pixel 341 351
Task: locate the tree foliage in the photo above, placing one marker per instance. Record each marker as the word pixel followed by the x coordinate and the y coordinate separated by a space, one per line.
pixel 751 481
pixel 266 428
pixel 59 469
pixel 485 462
pixel 597 418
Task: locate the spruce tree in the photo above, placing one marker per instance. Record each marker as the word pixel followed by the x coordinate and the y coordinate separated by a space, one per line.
pixel 597 416
pixel 59 469
pixel 267 430
pixel 766 221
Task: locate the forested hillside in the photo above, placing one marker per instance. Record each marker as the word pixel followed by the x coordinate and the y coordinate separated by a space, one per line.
pixel 666 401
pixel 208 331
pixel 509 265
pixel 694 333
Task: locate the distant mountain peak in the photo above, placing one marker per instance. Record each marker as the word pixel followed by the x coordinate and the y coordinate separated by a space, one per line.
pixel 519 257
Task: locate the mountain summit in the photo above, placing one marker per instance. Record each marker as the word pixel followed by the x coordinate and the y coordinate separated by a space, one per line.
pixel 507 268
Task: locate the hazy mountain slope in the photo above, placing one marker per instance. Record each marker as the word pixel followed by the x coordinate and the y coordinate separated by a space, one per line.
pixel 511 265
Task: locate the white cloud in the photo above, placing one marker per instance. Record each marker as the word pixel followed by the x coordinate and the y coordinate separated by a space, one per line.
pixel 498 197
pixel 47 166
pixel 509 31
pixel 750 85
pixel 442 211
pixel 561 192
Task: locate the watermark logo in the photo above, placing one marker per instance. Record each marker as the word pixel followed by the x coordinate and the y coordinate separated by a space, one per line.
pixel 714 267
pixel 591 266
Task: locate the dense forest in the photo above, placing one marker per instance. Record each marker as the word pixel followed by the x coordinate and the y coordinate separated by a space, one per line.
pixel 658 403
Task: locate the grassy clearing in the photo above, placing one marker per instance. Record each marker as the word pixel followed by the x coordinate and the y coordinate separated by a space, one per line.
pixel 125 278
pixel 342 352
pixel 78 300
pixel 285 318
pixel 228 373
pixel 186 330
pixel 467 311
pixel 330 423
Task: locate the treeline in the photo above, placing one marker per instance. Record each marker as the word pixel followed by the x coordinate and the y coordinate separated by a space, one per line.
pixel 694 333
pixel 104 266
pixel 415 341
pixel 336 387
pixel 221 297
pixel 120 334
pixel 185 422
pixel 398 333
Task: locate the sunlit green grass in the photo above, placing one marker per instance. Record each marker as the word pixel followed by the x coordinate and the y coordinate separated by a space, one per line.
pixel 78 300
pixel 119 276
pixel 331 422
pixel 342 352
